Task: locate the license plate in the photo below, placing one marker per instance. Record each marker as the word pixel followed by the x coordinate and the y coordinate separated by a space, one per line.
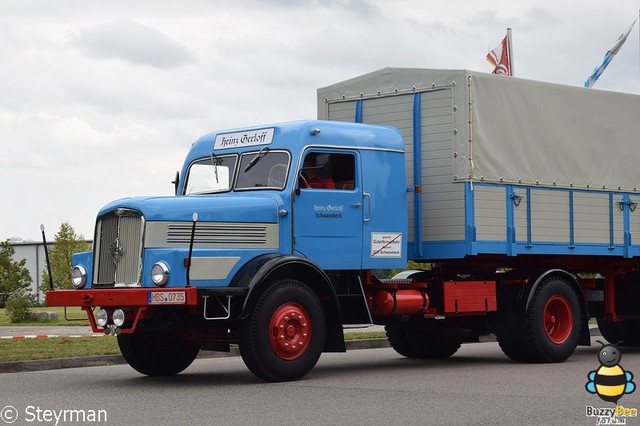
pixel 167 297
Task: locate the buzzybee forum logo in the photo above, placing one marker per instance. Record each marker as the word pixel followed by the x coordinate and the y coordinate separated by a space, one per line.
pixel 610 382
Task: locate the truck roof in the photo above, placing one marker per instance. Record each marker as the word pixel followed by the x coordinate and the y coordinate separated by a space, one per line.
pixel 296 135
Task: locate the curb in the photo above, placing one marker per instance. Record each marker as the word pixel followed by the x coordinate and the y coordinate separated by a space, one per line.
pixel 59 363
pixel 106 360
pixel 48 336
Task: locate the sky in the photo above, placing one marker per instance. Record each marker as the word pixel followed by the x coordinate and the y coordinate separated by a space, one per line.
pixel 102 100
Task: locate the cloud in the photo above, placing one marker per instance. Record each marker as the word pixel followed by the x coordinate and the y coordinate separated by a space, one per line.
pixel 102 100
pixel 134 43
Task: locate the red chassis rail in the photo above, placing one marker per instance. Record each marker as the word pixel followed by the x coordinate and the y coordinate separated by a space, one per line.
pixel 139 299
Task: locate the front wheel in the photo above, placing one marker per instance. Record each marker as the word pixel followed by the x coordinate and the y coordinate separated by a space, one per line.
pixel 157 354
pixel 284 335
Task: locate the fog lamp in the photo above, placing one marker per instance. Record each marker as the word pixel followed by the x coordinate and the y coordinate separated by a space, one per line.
pixel 118 317
pixel 102 317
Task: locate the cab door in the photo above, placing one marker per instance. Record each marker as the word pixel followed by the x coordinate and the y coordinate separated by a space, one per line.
pixel 328 215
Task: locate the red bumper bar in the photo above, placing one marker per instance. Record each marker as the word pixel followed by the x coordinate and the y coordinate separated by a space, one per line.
pixel 141 300
pixel 185 296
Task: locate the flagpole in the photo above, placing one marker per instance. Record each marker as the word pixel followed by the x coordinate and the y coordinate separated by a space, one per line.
pixel 510 44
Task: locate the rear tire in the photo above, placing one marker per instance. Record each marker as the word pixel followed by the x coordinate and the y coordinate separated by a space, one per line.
pixel 433 346
pixel 550 328
pixel 609 331
pixel 399 341
pixel 157 354
pixel 283 337
pixel 509 337
pixel 421 344
pixel 620 333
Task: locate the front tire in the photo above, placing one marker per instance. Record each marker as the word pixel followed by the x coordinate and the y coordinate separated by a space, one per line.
pixel 283 337
pixel 157 354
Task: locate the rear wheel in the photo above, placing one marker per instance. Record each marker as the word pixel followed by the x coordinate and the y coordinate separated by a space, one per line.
pixel 552 324
pixel 621 333
pixel 433 346
pixel 629 332
pixel 283 337
pixel 509 336
pixel 609 331
pixel 157 354
pixel 399 341
pixel 421 344
pixel 550 328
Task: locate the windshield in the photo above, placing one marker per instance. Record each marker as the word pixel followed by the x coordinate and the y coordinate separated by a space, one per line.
pixel 263 169
pixel 211 174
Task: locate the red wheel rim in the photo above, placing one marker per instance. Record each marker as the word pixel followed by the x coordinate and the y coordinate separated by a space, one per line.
pixel 558 319
pixel 290 331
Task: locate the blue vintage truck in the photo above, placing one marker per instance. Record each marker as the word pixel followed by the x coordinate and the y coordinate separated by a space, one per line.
pixel 520 195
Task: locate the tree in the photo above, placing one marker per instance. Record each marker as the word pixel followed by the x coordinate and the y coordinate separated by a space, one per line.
pixel 65 244
pixel 14 276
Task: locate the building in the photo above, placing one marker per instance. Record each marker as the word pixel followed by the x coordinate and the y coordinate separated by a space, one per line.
pixel 33 253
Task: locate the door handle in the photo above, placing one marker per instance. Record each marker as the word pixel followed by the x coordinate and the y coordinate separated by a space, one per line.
pixel 358 204
pixel 366 195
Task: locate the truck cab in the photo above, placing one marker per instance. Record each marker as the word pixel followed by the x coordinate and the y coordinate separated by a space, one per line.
pixel 296 209
pixel 317 184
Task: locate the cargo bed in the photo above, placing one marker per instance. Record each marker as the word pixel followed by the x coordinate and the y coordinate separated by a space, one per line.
pixel 499 165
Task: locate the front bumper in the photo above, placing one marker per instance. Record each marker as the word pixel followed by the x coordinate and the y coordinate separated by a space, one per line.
pixel 138 303
pixel 119 297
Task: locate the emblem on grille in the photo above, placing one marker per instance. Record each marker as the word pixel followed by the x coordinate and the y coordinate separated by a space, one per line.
pixel 116 250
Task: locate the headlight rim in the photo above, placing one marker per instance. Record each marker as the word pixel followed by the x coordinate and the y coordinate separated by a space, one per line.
pixel 82 277
pixel 164 271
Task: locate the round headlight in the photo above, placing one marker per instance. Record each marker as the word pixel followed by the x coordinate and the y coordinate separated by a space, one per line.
pixel 160 274
pixel 118 317
pixel 102 317
pixel 78 276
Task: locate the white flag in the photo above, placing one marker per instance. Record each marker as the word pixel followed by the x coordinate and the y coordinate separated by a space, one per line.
pixel 608 57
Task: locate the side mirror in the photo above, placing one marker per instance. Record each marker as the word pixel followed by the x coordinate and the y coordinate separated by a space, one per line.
pixel 176 182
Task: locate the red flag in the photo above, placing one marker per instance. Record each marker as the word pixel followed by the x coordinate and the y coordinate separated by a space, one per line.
pixel 500 58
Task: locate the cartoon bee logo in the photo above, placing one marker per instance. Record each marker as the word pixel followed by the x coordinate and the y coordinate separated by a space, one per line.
pixel 610 381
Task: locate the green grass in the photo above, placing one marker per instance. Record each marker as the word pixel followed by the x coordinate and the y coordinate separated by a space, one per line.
pixel 72 312
pixel 362 335
pixel 67 347
pixel 60 347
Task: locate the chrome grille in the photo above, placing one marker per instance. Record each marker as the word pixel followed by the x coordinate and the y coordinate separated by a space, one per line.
pixel 217 234
pixel 118 252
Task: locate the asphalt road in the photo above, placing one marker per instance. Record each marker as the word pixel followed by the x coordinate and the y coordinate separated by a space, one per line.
pixel 477 386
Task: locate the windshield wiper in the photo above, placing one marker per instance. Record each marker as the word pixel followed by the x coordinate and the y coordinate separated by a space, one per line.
pixel 214 161
pixel 257 158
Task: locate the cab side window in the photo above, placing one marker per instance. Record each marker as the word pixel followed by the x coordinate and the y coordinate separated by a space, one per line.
pixel 324 170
